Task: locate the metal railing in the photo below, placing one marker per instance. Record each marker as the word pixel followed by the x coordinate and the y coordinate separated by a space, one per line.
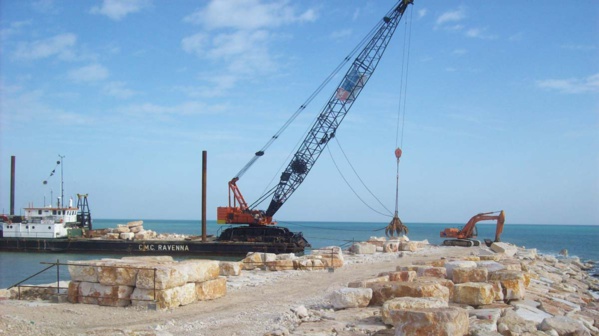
pixel 19 285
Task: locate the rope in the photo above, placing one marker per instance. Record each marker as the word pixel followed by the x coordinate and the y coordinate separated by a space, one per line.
pixel 328 228
pixel 402 93
pixel 316 92
pixel 351 188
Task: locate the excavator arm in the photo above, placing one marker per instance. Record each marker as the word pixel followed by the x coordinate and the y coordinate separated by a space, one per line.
pixel 463 236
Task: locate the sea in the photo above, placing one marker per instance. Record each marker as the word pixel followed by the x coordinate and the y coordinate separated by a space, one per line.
pixel 579 240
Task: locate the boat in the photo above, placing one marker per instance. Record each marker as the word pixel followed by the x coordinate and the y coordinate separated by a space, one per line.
pixel 63 229
pixel 69 229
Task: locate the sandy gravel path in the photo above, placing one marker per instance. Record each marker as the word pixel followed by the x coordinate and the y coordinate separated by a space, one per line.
pixel 252 306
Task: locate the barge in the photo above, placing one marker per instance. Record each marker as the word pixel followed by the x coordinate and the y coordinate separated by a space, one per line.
pixel 69 229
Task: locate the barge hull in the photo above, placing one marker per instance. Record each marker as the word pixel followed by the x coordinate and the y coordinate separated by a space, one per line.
pixel 145 247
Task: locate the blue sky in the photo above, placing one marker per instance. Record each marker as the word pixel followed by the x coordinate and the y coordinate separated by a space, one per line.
pixel 501 110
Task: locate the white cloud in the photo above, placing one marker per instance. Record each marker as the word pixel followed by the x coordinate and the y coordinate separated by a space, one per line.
pixel 451 17
pixel 248 15
pixel 580 47
pixel 186 108
pixel 27 107
pixel 13 29
pixel 118 9
pixel 422 13
pixel 459 52
pixel 572 85
pixel 45 6
pixel 89 73
pixel 341 34
pixel 118 90
pixel 219 85
pixel 238 34
pixel 196 44
pixel 479 33
pixel 60 45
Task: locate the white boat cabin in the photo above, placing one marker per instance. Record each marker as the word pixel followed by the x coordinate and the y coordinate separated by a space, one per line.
pixel 46 222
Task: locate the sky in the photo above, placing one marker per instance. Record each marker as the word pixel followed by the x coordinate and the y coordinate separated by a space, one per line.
pixel 500 112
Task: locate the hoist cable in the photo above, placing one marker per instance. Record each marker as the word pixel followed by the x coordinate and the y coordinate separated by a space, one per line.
pixel 358 176
pixel 316 92
pixel 352 189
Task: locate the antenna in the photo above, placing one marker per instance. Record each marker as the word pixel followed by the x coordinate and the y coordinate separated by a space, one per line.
pixel 61 163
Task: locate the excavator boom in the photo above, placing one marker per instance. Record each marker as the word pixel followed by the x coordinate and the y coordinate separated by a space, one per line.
pixel 465 236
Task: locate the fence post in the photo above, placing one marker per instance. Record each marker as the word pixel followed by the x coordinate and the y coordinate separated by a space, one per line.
pixel 57 276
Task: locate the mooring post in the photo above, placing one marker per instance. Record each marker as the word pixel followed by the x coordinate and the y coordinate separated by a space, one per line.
pixel 12 185
pixel 57 276
pixel 204 156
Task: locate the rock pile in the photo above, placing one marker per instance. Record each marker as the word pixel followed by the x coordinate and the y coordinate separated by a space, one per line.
pixel 147 281
pixel 130 231
pixel 326 257
pixel 504 290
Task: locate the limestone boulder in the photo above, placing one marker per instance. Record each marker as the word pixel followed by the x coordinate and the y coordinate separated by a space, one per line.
pixel 512 324
pixel 331 256
pixel 122 229
pixel 211 289
pixel 447 321
pixel 95 293
pixel 402 276
pixel 72 292
pixel 230 268
pixel 410 246
pixel 363 248
pixel 368 282
pixel 127 235
pixel 117 273
pixel 491 266
pixel 164 298
pixel 382 292
pixel 199 270
pixel 144 235
pixel 84 270
pixel 531 313
pixel 257 260
pixel 350 297
pixel 391 246
pixel 309 264
pixel 508 250
pixel 476 274
pixel 287 256
pixel 473 293
pixel 280 265
pixel 135 224
pixel 451 265
pixel 410 303
pixel 512 283
pixel 136 229
pixel 565 326
pixel 161 276
pixel 377 241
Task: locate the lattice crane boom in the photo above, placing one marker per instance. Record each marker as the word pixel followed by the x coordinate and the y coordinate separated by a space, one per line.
pixel 322 131
pixel 336 109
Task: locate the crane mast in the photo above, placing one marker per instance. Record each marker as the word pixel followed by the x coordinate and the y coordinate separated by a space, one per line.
pixel 336 109
pixel 322 131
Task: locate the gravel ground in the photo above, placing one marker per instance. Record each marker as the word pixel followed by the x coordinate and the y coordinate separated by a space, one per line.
pixel 255 303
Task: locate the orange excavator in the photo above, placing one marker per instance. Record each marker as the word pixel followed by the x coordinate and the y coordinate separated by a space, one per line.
pixel 465 235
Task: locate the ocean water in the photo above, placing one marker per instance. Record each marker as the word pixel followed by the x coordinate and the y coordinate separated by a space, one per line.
pixel 581 241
